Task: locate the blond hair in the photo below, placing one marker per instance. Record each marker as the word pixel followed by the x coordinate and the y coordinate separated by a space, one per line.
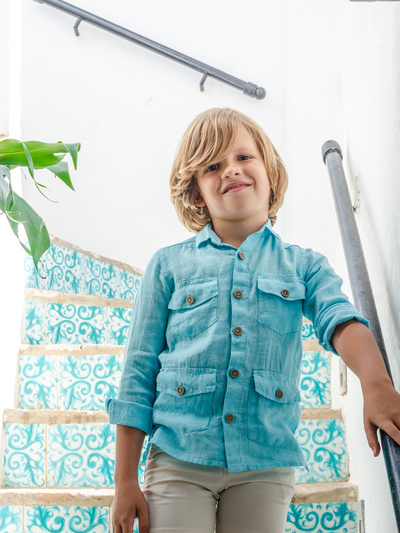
pixel 206 140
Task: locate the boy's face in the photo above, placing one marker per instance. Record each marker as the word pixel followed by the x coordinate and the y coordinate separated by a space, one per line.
pixel 236 188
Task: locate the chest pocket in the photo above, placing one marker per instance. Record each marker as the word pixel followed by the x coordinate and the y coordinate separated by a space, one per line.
pixel 280 303
pixel 193 308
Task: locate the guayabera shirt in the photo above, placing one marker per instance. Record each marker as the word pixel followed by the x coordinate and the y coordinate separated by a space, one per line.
pixel 212 361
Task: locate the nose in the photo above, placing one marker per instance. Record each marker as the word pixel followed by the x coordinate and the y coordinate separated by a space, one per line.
pixel 231 168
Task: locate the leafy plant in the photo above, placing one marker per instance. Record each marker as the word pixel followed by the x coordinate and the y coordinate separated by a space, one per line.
pixel 33 155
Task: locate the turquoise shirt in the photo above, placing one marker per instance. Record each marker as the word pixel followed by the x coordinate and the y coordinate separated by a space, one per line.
pixel 213 356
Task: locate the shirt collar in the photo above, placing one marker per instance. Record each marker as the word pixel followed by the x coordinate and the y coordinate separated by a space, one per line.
pixel 208 234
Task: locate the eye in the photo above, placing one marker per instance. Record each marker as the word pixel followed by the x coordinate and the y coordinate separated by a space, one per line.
pixel 244 157
pixel 211 168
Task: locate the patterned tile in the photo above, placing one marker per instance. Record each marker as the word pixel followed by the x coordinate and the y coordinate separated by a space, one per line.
pixel 67 519
pixel 35 331
pixel 10 519
pixel 128 284
pixel 37 382
pixel 324 446
pixel 85 382
pixel 62 268
pixel 24 455
pixel 76 324
pixel 119 324
pixel 315 380
pixel 322 517
pixel 81 455
pixel 307 333
pixel 100 278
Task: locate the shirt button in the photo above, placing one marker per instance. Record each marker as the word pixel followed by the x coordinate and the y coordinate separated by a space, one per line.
pixel 285 293
pixel 237 331
pixel 229 418
pixel 279 394
pixel 241 255
pixel 180 389
pixel 234 373
pixel 238 294
pixel 189 300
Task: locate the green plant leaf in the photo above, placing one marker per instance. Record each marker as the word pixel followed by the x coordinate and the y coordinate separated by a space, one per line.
pixel 29 159
pixel 61 171
pixel 4 172
pixel 43 155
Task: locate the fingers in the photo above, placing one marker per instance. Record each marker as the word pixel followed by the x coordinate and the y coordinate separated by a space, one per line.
pixel 372 437
pixel 143 517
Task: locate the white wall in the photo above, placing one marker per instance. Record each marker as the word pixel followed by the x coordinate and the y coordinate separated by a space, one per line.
pixel 372 122
pixel 129 107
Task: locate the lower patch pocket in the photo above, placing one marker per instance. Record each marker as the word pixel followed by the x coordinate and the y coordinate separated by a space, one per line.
pixel 184 399
pixel 273 407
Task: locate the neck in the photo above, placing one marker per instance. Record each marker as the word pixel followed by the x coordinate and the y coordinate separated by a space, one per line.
pixel 234 232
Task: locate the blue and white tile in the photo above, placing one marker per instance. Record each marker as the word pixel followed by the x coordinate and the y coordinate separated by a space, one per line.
pixel 37 382
pixel 128 284
pixel 62 268
pixel 100 278
pixel 324 446
pixel 85 382
pixel 315 380
pixel 308 333
pixel 24 455
pixel 68 519
pixel 329 517
pixel 76 324
pixel 119 320
pixel 35 322
pixel 11 519
pixel 81 455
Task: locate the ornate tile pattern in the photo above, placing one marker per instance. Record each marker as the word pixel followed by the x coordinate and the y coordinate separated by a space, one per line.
pixel 67 520
pixel 81 324
pixel 324 447
pixel 323 517
pixel 81 455
pixel 24 455
pixel 37 382
pixel 67 271
pixel 119 318
pixel 62 268
pixel 85 382
pixel 307 333
pixel 35 323
pixel 10 519
pixel 100 278
pixel 315 380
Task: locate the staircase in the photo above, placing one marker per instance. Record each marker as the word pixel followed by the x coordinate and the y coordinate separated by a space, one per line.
pixel 58 448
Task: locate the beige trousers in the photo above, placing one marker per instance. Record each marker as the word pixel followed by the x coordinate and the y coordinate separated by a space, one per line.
pixel 185 497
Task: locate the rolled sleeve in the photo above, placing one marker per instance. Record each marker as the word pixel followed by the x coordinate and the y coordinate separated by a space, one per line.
pixel 325 304
pixel 146 340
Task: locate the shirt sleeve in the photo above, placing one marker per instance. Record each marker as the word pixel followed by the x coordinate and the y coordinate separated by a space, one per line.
pixel 325 304
pixel 146 340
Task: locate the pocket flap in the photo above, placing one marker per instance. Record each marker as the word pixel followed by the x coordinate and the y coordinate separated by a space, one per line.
pixel 276 386
pixel 190 381
pixel 193 294
pixel 287 289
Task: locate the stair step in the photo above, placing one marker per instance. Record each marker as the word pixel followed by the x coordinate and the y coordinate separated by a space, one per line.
pixel 50 448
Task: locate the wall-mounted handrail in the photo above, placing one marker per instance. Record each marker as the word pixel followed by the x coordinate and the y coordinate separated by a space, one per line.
pixel 248 88
pixel 362 293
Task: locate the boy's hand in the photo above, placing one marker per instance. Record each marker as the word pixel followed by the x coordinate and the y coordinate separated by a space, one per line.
pixel 381 409
pixel 129 503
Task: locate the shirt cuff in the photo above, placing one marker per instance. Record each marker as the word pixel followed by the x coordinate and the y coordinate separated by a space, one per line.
pixel 326 341
pixel 129 414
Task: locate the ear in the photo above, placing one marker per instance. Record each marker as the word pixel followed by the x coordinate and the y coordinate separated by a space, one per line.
pixel 198 199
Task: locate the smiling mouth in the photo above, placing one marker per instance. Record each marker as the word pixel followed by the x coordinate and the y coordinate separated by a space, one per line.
pixel 238 187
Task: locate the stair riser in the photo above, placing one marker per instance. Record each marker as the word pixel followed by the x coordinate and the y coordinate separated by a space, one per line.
pixel 71 272
pixel 322 517
pixel 72 455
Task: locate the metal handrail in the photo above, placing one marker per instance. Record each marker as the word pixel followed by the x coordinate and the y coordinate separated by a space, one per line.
pixel 362 293
pixel 248 88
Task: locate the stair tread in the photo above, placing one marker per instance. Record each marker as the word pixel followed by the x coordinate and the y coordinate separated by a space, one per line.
pixel 45 295
pixel 305 493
